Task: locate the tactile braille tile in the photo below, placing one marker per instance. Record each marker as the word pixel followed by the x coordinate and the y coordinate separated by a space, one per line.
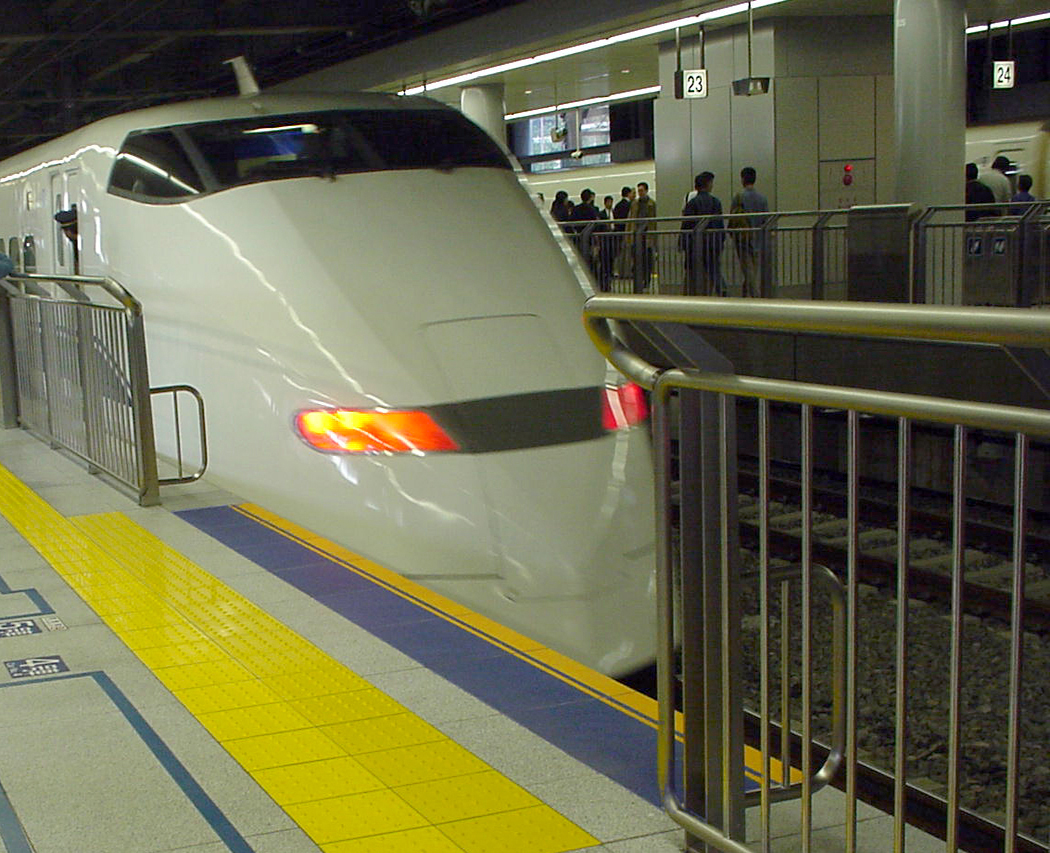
pixel 355 816
pixel 538 830
pixel 423 763
pixel 462 797
pixel 316 780
pixel 427 840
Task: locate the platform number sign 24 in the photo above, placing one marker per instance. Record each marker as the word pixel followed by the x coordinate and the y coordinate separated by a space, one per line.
pixel 1003 74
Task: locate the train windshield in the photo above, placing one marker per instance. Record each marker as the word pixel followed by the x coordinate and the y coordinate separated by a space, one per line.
pixel 176 163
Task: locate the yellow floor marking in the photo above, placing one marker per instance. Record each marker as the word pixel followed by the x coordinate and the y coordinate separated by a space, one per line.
pixel 330 748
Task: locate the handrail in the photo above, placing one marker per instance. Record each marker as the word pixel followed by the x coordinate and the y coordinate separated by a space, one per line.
pixel 113 287
pixel 991 326
pixel 144 461
pixel 822 778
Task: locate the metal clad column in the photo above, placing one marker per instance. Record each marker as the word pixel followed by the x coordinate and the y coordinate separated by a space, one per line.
pixel 929 72
pixel 483 105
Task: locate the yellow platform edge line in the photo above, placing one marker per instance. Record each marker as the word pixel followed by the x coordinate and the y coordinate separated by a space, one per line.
pixel 628 701
pixel 613 693
pixel 41 525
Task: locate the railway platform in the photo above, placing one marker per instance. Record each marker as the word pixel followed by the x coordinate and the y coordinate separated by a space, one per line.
pixel 203 676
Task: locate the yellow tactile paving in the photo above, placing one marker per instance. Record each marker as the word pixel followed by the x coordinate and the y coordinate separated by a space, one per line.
pixel 317 780
pixel 424 763
pixel 427 840
pixel 351 766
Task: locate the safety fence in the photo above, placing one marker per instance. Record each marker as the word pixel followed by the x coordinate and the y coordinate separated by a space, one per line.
pixel 745 635
pixel 75 374
pixel 948 255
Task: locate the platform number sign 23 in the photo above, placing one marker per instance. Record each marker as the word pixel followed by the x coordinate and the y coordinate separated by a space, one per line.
pixel 692 84
pixel 1003 74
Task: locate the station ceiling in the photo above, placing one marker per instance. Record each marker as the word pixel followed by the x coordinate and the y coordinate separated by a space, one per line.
pixel 68 62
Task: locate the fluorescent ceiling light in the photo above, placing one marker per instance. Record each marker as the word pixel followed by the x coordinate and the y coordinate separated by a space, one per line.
pixel 572 50
pixel 1001 25
pixel 604 99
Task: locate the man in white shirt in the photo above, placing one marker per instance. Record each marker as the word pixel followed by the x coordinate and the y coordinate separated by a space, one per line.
pixel 995 179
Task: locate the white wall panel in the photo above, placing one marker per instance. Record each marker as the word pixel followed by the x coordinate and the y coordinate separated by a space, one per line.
pixel 796 143
pixel 847 117
pixel 885 140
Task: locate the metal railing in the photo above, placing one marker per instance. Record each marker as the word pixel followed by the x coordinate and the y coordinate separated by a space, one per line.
pixel 789 254
pixel 992 254
pixel 698 553
pixel 81 378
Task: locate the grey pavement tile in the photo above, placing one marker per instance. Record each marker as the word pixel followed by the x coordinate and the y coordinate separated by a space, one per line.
pixel 664 842
pixel 430 696
pixel 72 499
pixel 513 750
pixel 235 792
pixel 605 809
pixel 829 809
pixel 288 841
pixel 95 786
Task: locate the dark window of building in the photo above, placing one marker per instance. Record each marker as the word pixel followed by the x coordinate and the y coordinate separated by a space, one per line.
pixel 14 252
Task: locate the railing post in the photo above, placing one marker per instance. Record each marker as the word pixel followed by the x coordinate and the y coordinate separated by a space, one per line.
pixel 8 376
pixel 641 257
pixel 765 254
pixel 694 282
pixel 918 264
pixel 819 273
pixel 711 679
pixel 149 487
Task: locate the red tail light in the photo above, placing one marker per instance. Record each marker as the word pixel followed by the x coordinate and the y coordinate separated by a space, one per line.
pixel 372 431
pixel 623 406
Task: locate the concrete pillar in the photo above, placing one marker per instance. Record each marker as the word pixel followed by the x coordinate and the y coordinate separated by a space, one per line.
pixel 483 104
pixel 929 71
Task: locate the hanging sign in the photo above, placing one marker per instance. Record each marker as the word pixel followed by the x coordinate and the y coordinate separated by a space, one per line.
pixel 690 84
pixel 1003 74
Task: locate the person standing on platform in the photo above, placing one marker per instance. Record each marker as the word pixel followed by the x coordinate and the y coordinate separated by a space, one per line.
pixel 1023 194
pixel 582 214
pixel 747 230
pixel 560 206
pixel 606 251
pixel 703 203
pixel 977 193
pixel 995 179
pixel 622 264
pixel 643 207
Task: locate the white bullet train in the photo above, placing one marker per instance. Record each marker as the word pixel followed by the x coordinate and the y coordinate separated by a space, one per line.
pixel 387 335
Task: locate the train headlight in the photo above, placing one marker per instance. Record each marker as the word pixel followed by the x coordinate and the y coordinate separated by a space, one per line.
pixel 372 431
pixel 623 406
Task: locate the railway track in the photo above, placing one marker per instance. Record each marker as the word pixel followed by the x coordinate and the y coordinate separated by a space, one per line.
pixel 989 571
pixel 989 568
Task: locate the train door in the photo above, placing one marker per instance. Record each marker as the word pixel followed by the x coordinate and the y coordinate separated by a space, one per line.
pixel 64 193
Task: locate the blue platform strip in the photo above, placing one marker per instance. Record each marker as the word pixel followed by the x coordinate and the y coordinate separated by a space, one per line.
pixel 12 833
pixel 204 804
pixel 42 607
pixel 613 743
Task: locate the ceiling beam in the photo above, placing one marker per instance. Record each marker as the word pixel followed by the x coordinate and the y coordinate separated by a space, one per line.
pixel 215 32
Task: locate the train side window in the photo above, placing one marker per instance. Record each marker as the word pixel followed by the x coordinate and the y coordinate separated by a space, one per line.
pixel 153 167
pixel 14 253
pixel 29 253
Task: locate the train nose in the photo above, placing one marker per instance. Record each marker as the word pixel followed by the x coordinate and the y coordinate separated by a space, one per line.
pixel 569 495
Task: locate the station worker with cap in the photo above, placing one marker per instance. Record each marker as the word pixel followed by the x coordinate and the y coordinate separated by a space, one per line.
pixel 67 219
